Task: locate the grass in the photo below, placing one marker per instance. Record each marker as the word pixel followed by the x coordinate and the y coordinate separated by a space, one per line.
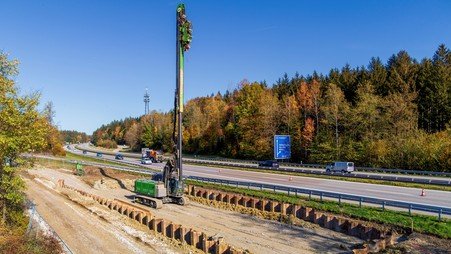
pixel 77 157
pixel 397 219
pixel 339 178
pixel 16 240
pixel 71 165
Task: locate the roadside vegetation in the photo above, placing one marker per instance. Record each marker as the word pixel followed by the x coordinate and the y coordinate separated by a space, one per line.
pixel 23 129
pixel 394 115
pixel 74 137
pixel 397 219
pixel 77 157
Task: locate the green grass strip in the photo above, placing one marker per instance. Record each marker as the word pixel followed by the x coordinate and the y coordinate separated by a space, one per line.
pixel 77 157
pixel 331 177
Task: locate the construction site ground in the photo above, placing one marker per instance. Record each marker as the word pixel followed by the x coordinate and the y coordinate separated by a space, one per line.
pixel 93 230
pixel 242 231
pixel 84 231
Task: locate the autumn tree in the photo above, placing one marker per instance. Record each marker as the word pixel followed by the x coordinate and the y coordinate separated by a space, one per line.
pixel 291 123
pixel 54 141
pixel 255 111
pixel 335 110
pixel 132 136
pixel 23 129
pixel 315 91
pixel 74 136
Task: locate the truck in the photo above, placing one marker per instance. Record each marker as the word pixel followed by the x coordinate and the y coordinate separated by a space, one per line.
pixel 340 166
pixel 155 156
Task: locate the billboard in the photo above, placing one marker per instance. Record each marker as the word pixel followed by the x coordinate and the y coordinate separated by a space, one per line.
pixel 282 147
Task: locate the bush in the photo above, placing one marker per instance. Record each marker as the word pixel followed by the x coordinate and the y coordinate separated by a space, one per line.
pixel 110 144
pixel 16 241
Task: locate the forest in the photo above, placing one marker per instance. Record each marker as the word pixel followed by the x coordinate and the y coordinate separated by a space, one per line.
pixel 395 114
pixel 73 137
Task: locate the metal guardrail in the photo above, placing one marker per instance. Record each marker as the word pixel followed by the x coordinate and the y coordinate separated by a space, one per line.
pixel 239 164
pixel 288 164
pixel 316 172
pixel 323 166
pixel 440 211
pixel 294 191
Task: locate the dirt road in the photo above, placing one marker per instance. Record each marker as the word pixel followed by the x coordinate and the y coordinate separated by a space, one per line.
pixel 83 231
pixel 243 231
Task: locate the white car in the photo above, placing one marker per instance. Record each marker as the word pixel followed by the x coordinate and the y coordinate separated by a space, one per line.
pixel 339 166
pixel 146 161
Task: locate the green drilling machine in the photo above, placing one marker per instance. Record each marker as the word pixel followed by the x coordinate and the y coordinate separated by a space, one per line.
pixel 168 186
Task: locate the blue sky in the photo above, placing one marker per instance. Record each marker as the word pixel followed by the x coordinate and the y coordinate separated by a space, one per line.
pixel 94 59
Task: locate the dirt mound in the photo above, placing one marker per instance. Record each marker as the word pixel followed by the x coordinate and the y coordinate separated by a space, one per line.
pixel 417 243
pixel 91 171
pixel 107 179
pixel 110 184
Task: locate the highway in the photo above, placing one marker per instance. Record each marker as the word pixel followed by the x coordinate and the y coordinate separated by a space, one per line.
pixel 433 197
pixel 241 163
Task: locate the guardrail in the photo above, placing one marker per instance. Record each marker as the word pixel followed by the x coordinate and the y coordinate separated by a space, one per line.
pixel 360 175
pixel 323 166
pixel 317 172
pixel 289 164
pixel 440 211
pixel 293 190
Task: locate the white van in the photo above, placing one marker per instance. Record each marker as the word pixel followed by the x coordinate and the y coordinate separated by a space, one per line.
pixel 339 166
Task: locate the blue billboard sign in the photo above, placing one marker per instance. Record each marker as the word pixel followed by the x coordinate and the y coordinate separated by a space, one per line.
pixel 282 147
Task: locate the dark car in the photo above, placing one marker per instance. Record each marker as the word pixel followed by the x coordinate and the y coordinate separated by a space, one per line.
pixel 85 152
pixel 99 155
pixel 269 163
pixel 119 157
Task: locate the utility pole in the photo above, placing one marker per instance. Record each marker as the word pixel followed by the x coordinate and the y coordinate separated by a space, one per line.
pixel 146 102
pixel 183 40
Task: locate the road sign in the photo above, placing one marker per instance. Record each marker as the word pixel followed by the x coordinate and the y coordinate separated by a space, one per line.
pixel 282 147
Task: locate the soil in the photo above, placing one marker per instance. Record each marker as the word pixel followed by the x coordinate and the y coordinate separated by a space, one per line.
pixel 417 243
pixel 239 230
pixel 97 230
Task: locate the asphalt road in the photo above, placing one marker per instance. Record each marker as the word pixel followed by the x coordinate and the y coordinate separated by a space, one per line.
pixel 433 197
pixel 240 163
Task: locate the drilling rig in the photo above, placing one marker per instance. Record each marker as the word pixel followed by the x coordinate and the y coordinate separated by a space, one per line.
pixel 168 186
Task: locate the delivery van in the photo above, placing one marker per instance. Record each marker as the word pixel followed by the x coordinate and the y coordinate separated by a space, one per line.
pixel 340 166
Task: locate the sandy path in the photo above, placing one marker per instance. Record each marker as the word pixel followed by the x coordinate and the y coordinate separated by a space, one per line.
pixel 83 231
pixel 243 231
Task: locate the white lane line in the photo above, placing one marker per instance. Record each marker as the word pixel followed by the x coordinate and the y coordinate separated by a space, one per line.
pixel 272 175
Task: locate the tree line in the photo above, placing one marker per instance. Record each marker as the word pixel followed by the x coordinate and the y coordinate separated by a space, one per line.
pixel 394 115
pixel 74 137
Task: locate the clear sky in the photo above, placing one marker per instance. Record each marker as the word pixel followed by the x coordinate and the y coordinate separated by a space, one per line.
pixel 94 59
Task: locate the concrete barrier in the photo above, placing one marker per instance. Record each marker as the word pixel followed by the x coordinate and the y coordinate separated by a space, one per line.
pixel 377 240
pixel 198 240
